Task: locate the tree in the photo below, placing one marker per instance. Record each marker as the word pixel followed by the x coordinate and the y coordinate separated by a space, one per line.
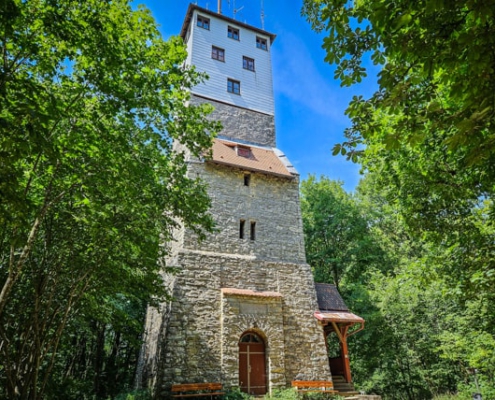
pixel 437 70
pixel 427 133
pixel 91 99
pixel 338 241
pixel 422 335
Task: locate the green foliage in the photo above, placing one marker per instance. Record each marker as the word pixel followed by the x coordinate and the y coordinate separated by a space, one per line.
pixel 283 394
pixel 435 70
pixel 236 394
pixel 91 101
pixel 291 394
pixel 338 242
pixel 428 130
pixel 135 395
pixel 452 397
pixel 426 138
pixel 422 335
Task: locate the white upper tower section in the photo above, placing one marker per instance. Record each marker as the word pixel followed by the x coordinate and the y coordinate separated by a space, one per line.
pixel 236 57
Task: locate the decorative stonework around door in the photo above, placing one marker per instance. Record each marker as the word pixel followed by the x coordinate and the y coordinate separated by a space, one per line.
pixel 252 364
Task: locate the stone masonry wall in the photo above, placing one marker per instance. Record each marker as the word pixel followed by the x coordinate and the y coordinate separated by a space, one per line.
pixel 272 202
pixel 194 338
pixel 204 328
pixel 263 315
pixel 241 123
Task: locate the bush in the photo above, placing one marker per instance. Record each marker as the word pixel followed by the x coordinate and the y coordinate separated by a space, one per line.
pixel 236 394
pixel 142 394
pixel 291 394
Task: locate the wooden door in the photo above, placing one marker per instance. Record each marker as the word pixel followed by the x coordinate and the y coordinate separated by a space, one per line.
pixel 252 365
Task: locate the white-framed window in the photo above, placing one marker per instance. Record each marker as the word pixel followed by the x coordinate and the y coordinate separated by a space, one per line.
pixel 233 33
pixel 261 43
pixel 203 22
pixel 233 86
pixel 217 53
pixel 248 63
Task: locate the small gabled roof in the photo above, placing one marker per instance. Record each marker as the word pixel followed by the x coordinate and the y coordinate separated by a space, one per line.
pixel 192 7
pixel 329 298
pixel 248 157
pixel 332 307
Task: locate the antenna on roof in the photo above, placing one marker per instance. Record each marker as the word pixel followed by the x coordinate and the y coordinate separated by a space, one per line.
pixel 262 16
pixel 219 6
pixel 236 10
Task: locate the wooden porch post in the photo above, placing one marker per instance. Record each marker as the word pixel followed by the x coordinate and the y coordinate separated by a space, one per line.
pixel 345 353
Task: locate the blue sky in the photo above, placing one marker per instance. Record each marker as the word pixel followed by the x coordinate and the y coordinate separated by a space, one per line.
pixel 309 103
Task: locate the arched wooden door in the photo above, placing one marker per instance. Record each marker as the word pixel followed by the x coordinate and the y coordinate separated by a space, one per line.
pixel 252 364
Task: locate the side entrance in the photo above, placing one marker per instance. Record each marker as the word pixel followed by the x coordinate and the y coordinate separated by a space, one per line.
pixel 252 364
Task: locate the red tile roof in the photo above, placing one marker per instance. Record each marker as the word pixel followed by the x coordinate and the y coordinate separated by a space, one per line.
pixel 259 160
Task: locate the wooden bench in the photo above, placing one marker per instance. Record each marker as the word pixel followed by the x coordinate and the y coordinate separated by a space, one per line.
pixel 197 390
pixel 304 387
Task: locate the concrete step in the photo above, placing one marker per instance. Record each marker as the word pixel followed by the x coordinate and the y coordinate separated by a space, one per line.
pixel 340 384
pixel 349 395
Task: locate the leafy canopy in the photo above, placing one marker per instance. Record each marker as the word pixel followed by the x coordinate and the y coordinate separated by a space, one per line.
pixel 437 71
pixel 427 134
pixel 91 102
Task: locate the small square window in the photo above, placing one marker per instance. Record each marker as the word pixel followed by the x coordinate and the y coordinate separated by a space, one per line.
pixel 217 53
pixel 248 63
pixel 261 43
pixel 233 86
pixel 233 33
pixel 203 22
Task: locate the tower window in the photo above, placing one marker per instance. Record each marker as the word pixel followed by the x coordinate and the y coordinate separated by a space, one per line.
pixel 217 53
pixel 253 230
pixel 233 33
pixel 203 22
pixel 233 86
pixel 248 63
pixel 261 43
pixel 247 179
pixel 242 224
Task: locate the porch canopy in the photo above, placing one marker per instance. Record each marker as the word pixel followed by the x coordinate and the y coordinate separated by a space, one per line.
pixel 336 318
pixel 332 309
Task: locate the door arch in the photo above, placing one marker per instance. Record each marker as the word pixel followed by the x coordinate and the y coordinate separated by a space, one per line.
pixel 252 364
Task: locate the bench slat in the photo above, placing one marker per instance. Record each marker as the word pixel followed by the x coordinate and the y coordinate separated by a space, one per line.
pixel 312 384
pixel 303 387
pixel 199 394
pixel 196 386
pixel 199 389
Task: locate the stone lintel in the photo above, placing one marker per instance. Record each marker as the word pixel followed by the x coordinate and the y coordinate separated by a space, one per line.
pixel 250 293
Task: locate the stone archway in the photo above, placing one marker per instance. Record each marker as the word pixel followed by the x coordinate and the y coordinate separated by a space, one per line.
pixel 252 364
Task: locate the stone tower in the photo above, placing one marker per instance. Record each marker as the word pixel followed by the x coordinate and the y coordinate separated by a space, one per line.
pixel 244 299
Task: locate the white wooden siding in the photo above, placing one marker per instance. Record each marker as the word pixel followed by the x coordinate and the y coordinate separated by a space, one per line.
pixel 256 87
pixel 189 43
